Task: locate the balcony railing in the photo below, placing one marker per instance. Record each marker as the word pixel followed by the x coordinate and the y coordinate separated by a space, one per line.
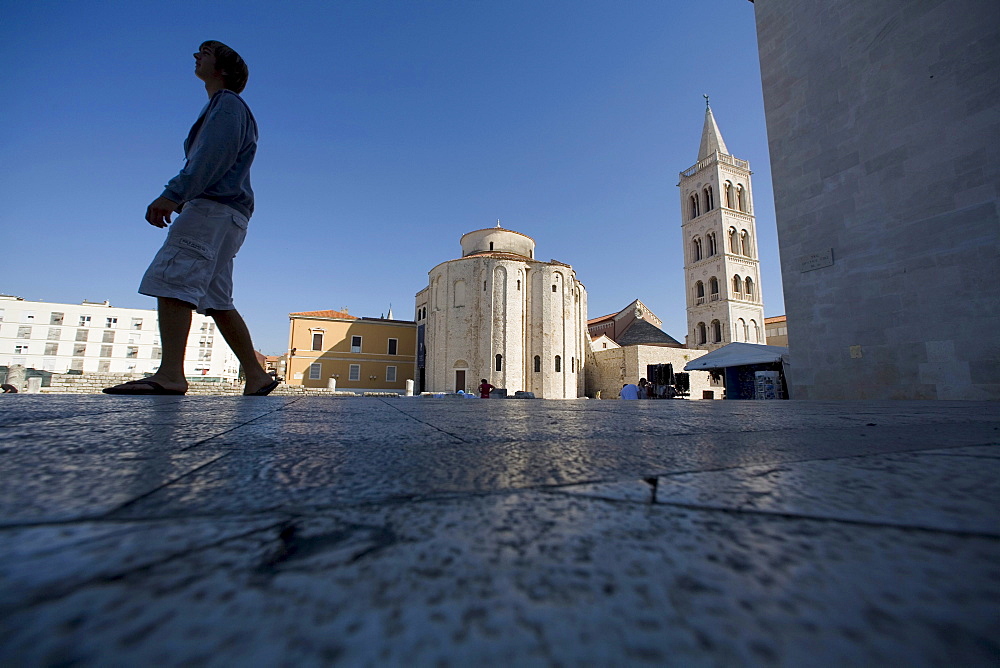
pixel 711 160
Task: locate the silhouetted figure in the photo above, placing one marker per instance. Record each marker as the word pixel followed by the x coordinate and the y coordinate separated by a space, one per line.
pixel 212 195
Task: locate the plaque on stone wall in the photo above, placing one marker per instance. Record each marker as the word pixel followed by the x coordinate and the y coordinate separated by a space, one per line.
pixel 816 261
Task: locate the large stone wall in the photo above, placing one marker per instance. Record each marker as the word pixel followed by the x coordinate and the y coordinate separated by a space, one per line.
pixel 93 383
pixel 883 126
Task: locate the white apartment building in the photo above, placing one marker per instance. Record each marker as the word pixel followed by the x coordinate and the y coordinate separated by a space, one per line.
pixel 98 337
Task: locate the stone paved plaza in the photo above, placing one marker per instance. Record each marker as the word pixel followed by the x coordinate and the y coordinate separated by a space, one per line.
pixel 412 531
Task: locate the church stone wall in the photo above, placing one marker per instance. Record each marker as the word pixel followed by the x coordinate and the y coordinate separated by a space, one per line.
pixel 483 305
pixel 882 123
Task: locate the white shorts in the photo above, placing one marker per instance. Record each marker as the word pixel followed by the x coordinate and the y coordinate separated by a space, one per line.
pixel 195 263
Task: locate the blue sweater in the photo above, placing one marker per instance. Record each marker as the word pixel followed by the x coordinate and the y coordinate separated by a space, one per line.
pixel 219 150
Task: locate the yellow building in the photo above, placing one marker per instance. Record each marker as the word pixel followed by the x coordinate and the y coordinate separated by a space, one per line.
pixel 776 331
pixel 358 354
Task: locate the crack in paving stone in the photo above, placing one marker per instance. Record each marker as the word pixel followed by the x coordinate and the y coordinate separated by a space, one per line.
pixel 75 416
pixel 223 433
pixel 428 424
pixel 743 510
pixel 159 487
pixel 53 593
pixel 351 544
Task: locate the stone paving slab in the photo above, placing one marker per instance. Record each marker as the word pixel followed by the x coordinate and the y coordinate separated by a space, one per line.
pixel 274 531
pixel 45 487
pixel 941 489
pixel 528 578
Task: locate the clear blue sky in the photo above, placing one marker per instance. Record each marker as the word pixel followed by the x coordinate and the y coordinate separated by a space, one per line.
pixel 388 130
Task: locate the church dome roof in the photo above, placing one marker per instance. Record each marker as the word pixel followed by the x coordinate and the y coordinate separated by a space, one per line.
pixel 497 239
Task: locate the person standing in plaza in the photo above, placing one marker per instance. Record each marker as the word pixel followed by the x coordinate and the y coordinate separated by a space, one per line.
pixel 629 392
pixel 644 389
pixel 193 270
pixel 484 389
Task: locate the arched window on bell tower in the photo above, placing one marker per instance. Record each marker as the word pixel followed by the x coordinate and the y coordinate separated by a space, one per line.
pixel 734 243
pixel 699 293
pixel 749 289
pixel 745 243
pixel 694 206
pixel 716 331
pixel 741 198
pixel 713 246
pixel 737 286
pixel 709 198
pixel 700 333
pixel 696 249
pixel 713 289
pixel 729 194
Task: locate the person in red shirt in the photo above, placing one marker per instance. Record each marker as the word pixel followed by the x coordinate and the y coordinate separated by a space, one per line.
pixel 484 389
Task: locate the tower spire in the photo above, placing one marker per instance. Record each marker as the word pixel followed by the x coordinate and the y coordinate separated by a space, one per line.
pixel 711 138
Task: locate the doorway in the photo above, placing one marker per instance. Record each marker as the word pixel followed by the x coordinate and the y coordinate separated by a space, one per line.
pixel 460 380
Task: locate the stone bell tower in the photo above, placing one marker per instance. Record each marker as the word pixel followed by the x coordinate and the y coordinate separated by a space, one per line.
pixel 721 265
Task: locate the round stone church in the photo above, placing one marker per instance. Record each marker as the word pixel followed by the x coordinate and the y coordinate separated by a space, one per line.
pixel 498 313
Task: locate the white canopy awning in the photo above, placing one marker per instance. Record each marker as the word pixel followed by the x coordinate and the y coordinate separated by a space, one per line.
pixel 737 354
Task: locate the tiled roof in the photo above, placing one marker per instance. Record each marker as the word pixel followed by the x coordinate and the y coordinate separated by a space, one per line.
pixel 603 317
pixel 777 318
pixel 326 314
pixel 642 332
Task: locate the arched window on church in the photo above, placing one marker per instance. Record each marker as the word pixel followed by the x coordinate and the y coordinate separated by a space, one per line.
pixel 713 289
pixel 696 248
pixel 745 243
pixel 741 198
pixel 700 333
pixel 558 364
pixel 699 293
pixel 734 243
pixel 491 245
pixel 709 199
pixel 754 332
pixel 694 206
pixel 484 286
pixel 749 288
pixel 499 364
pixel 459 295
pixel 716 331
pixel 538 364
pixel 737 285
pixel 729 194
pixel 572 364
pixel 519 285
pixel 739 330
pixel 713 246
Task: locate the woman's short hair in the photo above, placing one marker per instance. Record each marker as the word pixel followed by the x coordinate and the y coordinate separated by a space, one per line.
pixel 234 71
